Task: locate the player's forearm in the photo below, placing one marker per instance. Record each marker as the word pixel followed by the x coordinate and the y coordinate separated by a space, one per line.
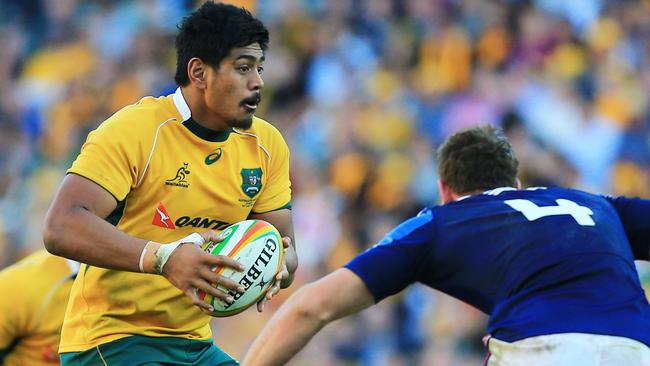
pixel 291 261
pixel 337 295
pixel 80 235
pixel 286 333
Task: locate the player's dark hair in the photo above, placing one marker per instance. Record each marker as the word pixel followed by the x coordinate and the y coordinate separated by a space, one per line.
pixel 477 159
pixel 211 32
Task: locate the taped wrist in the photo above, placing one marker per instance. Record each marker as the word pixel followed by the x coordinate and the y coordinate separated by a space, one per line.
pixel 148 257
pixel 155 255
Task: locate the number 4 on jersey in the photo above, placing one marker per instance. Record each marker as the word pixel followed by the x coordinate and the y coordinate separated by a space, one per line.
pixel 564 207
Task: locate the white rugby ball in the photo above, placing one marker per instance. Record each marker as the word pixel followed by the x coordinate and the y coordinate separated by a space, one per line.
pixel 257 245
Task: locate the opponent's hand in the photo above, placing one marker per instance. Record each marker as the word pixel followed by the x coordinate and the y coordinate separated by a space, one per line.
pixel 190 269
pixel 282 274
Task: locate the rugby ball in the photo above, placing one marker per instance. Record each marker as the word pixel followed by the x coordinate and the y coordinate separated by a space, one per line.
pixel 257 245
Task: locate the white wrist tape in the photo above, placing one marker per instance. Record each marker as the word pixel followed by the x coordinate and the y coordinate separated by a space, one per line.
pixel 141 261
pixel 165 251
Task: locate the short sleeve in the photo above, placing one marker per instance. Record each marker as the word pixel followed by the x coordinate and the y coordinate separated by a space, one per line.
pixel 397 260
pixel 277 193
pixel 112 155
pixel 635 216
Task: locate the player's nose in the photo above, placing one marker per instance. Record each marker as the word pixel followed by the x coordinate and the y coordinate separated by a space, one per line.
pixel 256 82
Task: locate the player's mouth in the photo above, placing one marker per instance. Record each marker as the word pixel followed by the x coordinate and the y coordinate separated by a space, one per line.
pixel 250 104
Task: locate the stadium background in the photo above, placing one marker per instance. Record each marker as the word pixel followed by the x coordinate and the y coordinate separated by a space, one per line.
pixel 363 91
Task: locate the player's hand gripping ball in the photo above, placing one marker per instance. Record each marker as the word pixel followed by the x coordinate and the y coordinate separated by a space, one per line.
pixel 257 245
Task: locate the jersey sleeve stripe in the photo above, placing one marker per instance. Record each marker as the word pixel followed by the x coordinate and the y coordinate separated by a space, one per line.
pixel 288 206
pixel 102 183
pixel 153 146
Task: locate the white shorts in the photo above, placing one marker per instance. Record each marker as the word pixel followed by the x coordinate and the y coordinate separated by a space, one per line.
pixel 569 349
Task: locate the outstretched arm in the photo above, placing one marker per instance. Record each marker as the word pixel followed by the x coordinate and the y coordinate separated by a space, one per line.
pixel 384 270
pixel 337 295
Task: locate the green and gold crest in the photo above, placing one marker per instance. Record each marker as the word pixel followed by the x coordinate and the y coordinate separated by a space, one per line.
pixel 251 181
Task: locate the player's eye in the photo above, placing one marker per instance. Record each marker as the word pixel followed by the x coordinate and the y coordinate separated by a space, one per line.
pixel 244 69
pixel 260 69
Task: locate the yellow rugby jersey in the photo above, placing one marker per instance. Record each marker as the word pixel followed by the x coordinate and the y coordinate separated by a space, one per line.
pixel 171 177
pixel 35 293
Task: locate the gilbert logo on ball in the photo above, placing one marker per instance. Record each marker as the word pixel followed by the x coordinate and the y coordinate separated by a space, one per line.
pixel 255 244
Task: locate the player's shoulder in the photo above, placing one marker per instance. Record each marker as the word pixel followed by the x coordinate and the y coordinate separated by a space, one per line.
pixel 418 229
pixel 144 116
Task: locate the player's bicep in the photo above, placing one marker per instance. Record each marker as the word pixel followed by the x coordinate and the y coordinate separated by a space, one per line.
pixel 80 192
pixel 635 216
pixel 76 197
pixel 396 261
pixel 385 270
pixel 339 294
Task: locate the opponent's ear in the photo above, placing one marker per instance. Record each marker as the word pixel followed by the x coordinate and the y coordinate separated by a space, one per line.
pixel 517 183
pixel 446 193
pixel 197 72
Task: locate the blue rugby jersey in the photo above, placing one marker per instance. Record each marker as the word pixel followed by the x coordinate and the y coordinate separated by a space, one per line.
pixel 537 261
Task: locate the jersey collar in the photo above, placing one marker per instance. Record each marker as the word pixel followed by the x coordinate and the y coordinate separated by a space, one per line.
pixel 74 266
pixel 198 130
pixel 491 192
pixel 181 104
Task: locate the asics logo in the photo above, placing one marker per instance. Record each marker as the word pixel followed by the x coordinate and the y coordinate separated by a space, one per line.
pixel 213 156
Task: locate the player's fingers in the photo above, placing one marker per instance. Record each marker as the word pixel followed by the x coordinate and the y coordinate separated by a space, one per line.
pixel 260 304
pixel 273 290
pixel 286 242
pixel 213 290
pixel 193 295
pixel 283 273
pixel 212 236
pixel 219 280
pixel 224 261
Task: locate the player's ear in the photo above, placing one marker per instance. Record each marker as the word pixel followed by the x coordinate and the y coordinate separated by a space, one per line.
pixel 517 183
pixel 196 71
pixel 446 194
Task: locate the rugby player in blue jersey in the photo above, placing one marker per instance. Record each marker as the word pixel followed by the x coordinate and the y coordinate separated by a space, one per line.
pixel 552 267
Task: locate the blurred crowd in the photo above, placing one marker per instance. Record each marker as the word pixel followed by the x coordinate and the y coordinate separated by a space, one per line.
pixel 363 91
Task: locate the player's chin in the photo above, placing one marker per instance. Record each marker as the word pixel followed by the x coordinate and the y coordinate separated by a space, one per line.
pixel 243 123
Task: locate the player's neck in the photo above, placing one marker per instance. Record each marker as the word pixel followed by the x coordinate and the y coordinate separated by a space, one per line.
pixel 201 114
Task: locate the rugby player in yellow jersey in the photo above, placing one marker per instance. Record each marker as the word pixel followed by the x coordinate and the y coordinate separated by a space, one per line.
pixel 149 180
pixel 35 293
